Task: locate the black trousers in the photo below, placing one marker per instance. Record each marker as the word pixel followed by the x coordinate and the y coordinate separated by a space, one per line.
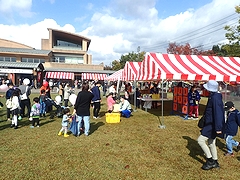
pixel 8 113
pixel 35 120
pixel 96 109
pixel 25 103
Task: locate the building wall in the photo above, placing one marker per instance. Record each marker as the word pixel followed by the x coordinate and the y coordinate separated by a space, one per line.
pixel 48 44
pixel 77 67
pixel 12 44
pixel 45 44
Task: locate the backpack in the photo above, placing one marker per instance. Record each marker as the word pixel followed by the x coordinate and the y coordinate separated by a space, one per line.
pixel 9 103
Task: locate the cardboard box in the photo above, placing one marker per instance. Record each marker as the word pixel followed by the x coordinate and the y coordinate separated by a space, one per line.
pixel 112 117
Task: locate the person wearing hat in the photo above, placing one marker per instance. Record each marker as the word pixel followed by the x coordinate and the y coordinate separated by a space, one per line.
pixel 96 99
pixel 25 101
pixel 213 126
pixel 232 123
pixel 125 107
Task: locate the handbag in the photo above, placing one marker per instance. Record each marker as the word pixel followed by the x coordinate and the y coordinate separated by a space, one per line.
pixel 201 121
pixel 24 95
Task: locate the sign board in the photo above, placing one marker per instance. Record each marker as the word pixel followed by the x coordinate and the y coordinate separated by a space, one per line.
pixel 17 71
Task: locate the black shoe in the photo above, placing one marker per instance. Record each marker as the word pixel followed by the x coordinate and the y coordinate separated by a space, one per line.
pixel 15 127
pixel 238 147
pixel 12 125
pixel 216 164
pixel 210 164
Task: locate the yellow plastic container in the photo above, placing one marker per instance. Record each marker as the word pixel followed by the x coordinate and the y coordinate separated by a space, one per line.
pixel 112 117
pixel 155 96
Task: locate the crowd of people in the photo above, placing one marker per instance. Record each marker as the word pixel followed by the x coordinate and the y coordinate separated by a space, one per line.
pixel 215 123
pixel 19 105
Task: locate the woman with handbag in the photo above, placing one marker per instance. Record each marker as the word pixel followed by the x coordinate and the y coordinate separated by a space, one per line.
pixel 25 101
pixel 213 125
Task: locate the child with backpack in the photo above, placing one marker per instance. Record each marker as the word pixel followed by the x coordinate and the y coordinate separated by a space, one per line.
pixel 35 113
pixel 231 128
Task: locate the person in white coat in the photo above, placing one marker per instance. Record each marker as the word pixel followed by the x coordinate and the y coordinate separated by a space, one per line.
pixel 15 108
pixel 67 92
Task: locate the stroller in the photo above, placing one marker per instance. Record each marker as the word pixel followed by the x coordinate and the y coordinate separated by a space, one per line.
pixel 59 108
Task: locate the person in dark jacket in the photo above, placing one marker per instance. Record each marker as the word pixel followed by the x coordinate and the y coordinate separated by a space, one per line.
pixel 213 126
pixel 154 90
pixel 96 99
pixel 231 129
pixel 82 109
pixel 193 101
pixel 8 96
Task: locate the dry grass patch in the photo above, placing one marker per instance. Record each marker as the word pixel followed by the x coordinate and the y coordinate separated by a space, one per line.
pixel 135 148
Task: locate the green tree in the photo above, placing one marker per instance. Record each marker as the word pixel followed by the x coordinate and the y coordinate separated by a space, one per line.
pixel 116 65
pixel 219 51
pixel 133 57
pixel 233 36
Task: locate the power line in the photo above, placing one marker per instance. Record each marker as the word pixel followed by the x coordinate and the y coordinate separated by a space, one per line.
pixel 196 32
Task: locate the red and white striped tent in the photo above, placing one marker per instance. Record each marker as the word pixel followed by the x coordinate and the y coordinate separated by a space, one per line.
pixel 130 71
pixel 118 75
pixel 189 67
pixel 59 75
pixel 93 76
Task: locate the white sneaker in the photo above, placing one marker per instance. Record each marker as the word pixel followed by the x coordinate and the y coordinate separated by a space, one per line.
pixel 190 118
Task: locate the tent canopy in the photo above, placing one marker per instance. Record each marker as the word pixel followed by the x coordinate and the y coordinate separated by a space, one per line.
pixel 130 70
pixel 189 67
pixel 118 75
pixel 93 76
pixel 60 75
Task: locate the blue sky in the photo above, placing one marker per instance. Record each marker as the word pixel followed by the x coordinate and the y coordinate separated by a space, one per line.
pixel 117 27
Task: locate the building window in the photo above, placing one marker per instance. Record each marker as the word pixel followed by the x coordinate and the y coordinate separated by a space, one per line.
pixel 8 59
pixel 33 60
pixel 67 45
pixel 68 59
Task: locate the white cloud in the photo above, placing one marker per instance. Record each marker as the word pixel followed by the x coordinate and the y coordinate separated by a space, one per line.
pixel 22 7
pixel 31 35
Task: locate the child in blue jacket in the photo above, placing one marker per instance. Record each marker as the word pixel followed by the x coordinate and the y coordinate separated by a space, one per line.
pixel 231 130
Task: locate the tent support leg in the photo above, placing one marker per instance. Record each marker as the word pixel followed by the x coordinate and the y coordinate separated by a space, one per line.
pixel 162 126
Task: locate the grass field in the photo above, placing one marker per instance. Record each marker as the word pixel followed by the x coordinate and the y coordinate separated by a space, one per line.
pixel 135 148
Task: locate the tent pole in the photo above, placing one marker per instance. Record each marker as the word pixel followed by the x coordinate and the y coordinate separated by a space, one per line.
pixel 162 126
pixel 135 96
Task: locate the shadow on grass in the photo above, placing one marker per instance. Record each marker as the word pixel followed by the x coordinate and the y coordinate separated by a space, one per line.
pixel 42 122
pixel 221 146
pixel 194 149
pixel 102 114
pixel 94 126
pixel 5 126
pixel 168 110
pixel 238 158
pixel 46 121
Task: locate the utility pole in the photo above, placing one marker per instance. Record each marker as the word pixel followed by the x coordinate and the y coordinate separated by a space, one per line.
pixel 138 50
